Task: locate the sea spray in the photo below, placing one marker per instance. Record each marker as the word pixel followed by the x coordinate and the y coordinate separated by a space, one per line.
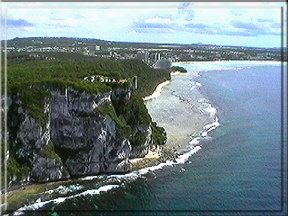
pixel 39 204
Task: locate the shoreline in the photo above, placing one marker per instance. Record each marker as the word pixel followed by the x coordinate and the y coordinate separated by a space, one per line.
pixel 29 194
pixel 210 61
pixel 156 156
pixel 157 91
pixel 152 156
pixel 159 87
pixel 174 73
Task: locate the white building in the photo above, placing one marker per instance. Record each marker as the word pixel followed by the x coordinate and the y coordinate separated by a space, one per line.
pixel 163 64
pixel 143 55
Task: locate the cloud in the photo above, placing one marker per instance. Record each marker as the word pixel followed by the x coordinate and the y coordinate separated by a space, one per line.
pixel 57 19
pixel 159 19
pixel 185 11
pixel 77 16
pixel 276 25
pixel 153 27
pixel 246 26
pixel 235 28
pixel 58 25
pixel 152 30
pixel 155 24
pixel 17 23
pixel 200 28
pixel 265 27
pixel 265 20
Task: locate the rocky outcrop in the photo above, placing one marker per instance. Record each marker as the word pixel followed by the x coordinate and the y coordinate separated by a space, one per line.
pixel 141 150
pixel 77 126
pixel 86 141
pixel 47 169
pixel 75 133
pixel 120 96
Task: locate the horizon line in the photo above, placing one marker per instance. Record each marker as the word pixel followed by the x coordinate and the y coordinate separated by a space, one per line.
pixel 168 43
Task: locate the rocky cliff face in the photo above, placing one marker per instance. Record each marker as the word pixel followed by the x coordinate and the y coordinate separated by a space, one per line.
pixel 76 139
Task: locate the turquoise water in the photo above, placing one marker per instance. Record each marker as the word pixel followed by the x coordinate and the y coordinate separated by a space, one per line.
pixel 237 171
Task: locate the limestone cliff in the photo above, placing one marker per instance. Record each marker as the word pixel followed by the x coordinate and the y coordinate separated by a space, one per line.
pixel 74 134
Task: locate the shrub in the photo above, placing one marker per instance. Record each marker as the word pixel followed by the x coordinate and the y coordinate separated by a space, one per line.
pixel 49 152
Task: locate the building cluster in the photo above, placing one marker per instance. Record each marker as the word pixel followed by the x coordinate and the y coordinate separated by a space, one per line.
pixel 154 55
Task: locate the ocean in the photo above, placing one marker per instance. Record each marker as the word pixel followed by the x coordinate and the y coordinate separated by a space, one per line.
pixel 226 119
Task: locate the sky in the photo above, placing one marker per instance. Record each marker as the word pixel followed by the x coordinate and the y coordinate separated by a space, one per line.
pixel 238 24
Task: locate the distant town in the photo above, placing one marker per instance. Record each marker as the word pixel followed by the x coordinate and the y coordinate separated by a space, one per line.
pixel 159 56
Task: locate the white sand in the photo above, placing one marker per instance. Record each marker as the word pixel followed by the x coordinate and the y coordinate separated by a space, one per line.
pixel 154 153
pixel 175 73
pixel 157 91
pixel 182 121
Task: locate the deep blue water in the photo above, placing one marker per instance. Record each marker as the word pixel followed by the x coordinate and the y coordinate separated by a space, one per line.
pixel 237 171
pixel 240 168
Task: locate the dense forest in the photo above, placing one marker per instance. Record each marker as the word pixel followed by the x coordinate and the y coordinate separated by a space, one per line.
pixel 69 69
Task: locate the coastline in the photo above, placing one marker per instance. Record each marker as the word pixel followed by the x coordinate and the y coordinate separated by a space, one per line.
pixel 174 73
pixel 154 159
pixel 159 87
pixel 157 91
pixel 30 197
pixel 26 193
pixel 157 157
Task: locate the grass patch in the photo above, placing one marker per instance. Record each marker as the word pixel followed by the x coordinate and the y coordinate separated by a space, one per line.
pixel 49 152
pixel 124 129
pixel 15 168
pixel 79 85
pixel 33 101
pixel 158 134
pixel 24 195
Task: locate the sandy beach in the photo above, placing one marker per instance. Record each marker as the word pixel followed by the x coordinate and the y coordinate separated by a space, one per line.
pixel 174 73
pixel 157 91
pixel 149 155
pixel 182 118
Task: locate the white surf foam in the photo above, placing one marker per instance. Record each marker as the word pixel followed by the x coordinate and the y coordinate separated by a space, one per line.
pixel 184 157
pixel 39 204
pixel 195 141
pixel 64 190
pixel 96 191
pixel 198 84
pixel 212 115
pixel 91 177
pixel 209 109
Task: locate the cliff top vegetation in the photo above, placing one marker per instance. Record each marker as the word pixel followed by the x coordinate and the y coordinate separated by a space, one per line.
pixel 70 69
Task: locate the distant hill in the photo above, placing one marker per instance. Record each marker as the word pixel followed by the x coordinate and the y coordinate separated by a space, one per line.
pixel 69 41
pixel 128 50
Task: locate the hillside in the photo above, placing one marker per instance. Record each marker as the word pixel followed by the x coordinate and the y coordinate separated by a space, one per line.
pixel 60 117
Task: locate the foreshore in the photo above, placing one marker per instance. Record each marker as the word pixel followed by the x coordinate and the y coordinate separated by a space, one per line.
pixel 27 194
pixel 157 91
pixel 174 73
